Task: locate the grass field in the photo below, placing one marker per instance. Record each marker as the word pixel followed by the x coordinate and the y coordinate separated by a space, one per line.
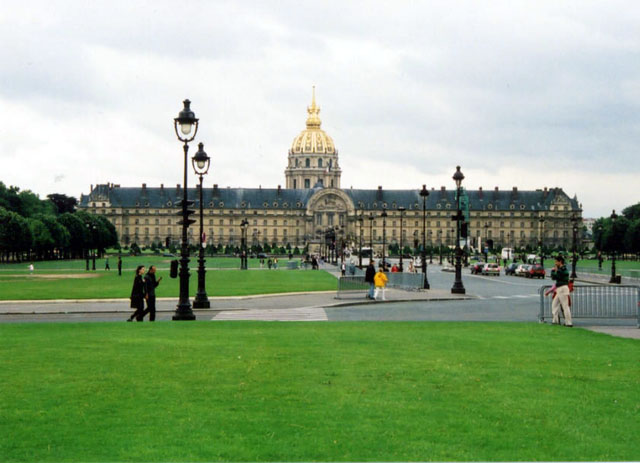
pixel 97 285
pixel 235 391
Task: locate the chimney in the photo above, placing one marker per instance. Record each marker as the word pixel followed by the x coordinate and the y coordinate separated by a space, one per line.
pixel 92 188
pixel 495 189
pixel 162 186
pixel 144 186
pixel 379 193
pixel 480 193
pixel 279 189
pixel 215 189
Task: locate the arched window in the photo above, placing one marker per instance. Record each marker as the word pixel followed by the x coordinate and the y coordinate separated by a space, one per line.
pixel 320 162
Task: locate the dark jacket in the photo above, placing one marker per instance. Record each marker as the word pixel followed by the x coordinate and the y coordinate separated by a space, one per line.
pixel 561 276
pixel 151 284
pixel 370 273
pixel 137 292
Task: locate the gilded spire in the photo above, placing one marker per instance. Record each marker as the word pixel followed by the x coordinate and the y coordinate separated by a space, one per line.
pixel 313 121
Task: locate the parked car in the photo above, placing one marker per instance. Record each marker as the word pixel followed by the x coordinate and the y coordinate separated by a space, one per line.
pixel 510 269
pixel 476 268
pixel 448 268
pixel 522 270
pixel 491 269
pixel 535 271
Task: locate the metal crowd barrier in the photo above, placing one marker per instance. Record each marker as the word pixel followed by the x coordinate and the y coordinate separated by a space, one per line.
pixel 597 301
pixel 355 284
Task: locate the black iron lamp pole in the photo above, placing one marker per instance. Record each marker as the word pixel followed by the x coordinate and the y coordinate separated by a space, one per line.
pixel 201 162
pixel 371 236
pixel 186 127
pixel 360 221
pixel 613 279
pixel 574 260
pixel 401 209
pixel 458 287
pixel 423 255
pixel 542 241
pixel 243 258
pixel 384 237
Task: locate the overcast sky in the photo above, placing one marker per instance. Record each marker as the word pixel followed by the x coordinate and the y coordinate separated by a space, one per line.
pixel 526 94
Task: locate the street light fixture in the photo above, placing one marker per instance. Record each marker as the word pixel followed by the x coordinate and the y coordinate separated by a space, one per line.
pixel 243 257
pixel 384 237
pixel 371 236
pixel 574 260
pixel 186 128
pixel 541 219
pixel 458 287
pixel 401 209
pixel 201 162
pixel 360 221
pixel 424 193
pixel 614 278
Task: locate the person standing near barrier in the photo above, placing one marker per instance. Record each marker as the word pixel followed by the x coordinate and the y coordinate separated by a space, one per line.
pixel 380 281
pixel 369 275
pixel 137 295
pixel 560 275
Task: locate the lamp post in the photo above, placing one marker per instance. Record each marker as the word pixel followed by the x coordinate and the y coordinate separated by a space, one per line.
pixel 424 193
pixel 360 221
pixel 201 162
pixel 243 256
pixel 401 209
pixel 186 127
pixel 574 260
pixel 384 237
pixel 440 246
pixel 613 279
pixel 430 247
pixel 541 241
pixel 371 236
pixel 458 287
pixel 91 228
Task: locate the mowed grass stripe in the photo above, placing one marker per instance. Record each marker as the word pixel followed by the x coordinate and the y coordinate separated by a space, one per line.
pixel 98 285
pixel 251 391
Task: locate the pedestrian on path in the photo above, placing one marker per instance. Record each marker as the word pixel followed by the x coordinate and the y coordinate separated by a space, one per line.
pixel 31 269
pixel 380 281
pixel 151 284
pixel 369 275
pixel 343 268
pixel 106 264
pixel 137 295
pixel 560 275
pixel 119 266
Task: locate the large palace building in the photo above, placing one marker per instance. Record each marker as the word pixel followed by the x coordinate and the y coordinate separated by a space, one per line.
pixel 313 203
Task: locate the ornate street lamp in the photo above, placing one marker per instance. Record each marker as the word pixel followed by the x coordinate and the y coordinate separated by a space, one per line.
pixel 401 209
pixel 384 237
pixel 186 127
pixel 423 255
pixel 243 257
pixel 360 221
pixel 458 287
pixel 574 260
pixel 201 162
pixel 371 236
pixel 614 278
pixel 541 219
pixel 486 242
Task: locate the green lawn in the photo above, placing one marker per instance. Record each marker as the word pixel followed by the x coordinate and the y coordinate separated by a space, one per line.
pixel 82 285
pixel 249 391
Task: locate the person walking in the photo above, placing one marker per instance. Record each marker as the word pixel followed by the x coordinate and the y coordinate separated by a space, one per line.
pixel 560 275
pixel 137 295
pixel 119 266
pixel 269 263
pixel 343 268
pixel 380 281
pixel 106 264
pixel 150 287
pixel 369 275
pixel 31 268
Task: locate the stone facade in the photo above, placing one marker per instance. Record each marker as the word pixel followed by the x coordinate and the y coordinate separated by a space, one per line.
pixel 313 202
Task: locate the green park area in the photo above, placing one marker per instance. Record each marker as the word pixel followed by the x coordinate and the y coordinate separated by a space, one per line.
pixel 269 391
pixel 68 279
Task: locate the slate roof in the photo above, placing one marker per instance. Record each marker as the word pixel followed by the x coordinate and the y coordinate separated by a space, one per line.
pixel 276 198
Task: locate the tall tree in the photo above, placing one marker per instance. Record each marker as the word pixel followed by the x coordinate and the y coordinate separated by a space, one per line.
pixel 63 203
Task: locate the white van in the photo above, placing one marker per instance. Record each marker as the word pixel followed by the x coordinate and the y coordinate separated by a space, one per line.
pixel 506 253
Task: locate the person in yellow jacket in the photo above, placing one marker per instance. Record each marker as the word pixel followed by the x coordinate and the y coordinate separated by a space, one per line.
pixel 380 282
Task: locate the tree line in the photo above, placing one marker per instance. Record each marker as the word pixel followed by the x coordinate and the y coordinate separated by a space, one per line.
pixel 41 229
pixel 620 235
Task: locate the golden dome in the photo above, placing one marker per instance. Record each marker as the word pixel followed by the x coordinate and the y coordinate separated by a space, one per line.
pixel 313 140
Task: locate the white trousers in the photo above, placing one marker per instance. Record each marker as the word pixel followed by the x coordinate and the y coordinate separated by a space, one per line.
pixel 561 299
pixel 379 289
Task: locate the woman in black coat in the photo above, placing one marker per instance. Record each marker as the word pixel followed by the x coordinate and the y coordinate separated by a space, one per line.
pixel 137 295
